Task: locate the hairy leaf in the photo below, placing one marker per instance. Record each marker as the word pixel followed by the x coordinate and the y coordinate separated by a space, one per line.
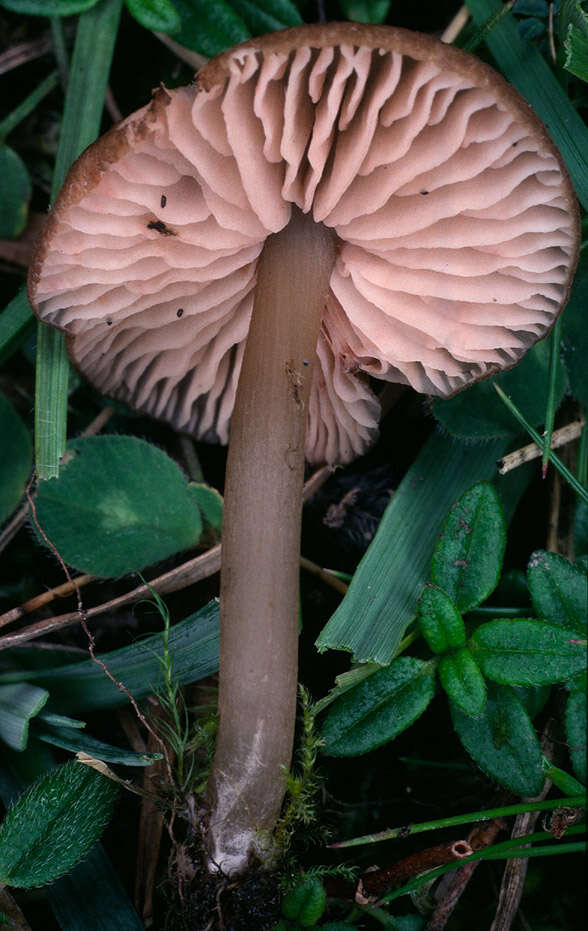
pixel 53 824
pixel 463 681
pixel 527 652
pixel 440 622
pixel 558 590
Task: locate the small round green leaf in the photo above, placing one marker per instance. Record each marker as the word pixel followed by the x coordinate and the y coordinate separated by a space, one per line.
pixel 468 556
pixel 306 902
pixel 527 652
pixel 157 15
pixel 118 505
pixel 16 460
pixel 440 622
pixel 379 708
pixel 366 11
pixel 209 28
pixel 558 590
pixel 463 681
pixel 503 742
pixel 53 824
pixel 15 193
pixel 210 503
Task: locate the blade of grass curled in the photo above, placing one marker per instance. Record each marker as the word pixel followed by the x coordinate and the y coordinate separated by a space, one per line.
pixel 554 352
pixel 84 101
pixel 561 468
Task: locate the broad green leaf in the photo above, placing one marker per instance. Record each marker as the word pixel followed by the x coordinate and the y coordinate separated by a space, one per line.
pixel 531 8
pixel 440 622
pixel 209 28
pixel 576 732
pixel 383 595
pixel 558 590
pixel 53 824
pixel 15 193
pixel 527 652
pixel 366 11
pixel 571 13
pixel 463 681
pixel 523 65
pixel 118 505
pixel 575 333
pixel 478 413
pixel 533 698
pixel 306 902
pixel 48 7
pixel 80 687
pixel 19 702
pixel 379 708
pixel 69 739
pixel 576 46
pixel 157 15
pixel 468 557
pixel 261 16
pixel 503 742
pixel 16 460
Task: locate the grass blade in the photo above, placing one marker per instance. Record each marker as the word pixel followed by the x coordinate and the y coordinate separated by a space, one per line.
pixel 16 325
pixel 554 354
pixel 90 67
pixel 382 597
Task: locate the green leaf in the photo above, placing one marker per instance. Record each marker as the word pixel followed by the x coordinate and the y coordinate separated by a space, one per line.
pixel 463 681
pixel 80 687
pixel 558 590
pixel 503 742
pixel 157 15
pixel 261 16
pixel 527 652
pixel 576 732
pixel 118 505
pixel 533 698
pixel 468 557
pixel 575 333
pixel 572 13
pixel 576 46
pixel 209 28
pixel 15 193
pixel 478 412
pixel 440 622
pixel 581 528
pixel 306 902
pixel 19 702
pixel 16 459
pixel 53 824
pixel 366 11
pixel 69 739
pixel 210 503
pixel 523 65
pixel 563 781
pixel 383 596
pixel 379 708
pixel 40 7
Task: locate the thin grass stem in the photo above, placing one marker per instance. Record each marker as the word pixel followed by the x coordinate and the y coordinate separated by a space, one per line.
pixel 554 351
pixel 26 106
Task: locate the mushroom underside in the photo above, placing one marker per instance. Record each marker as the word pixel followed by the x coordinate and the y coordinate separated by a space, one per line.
pixel 452 212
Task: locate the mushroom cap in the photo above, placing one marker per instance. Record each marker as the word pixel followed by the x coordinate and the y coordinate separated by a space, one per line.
pixel 457 226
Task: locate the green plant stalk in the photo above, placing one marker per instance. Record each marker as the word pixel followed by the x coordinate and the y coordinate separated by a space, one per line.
pixel 561 468
pixel 84 101
pixel 29 104
pixel 574 801
pixel 554 352
pixel 508 850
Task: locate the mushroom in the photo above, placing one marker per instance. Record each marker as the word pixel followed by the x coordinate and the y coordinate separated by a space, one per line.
pixel 322 205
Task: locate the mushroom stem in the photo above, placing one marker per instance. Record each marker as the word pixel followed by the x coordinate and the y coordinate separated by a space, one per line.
pixel 261 545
